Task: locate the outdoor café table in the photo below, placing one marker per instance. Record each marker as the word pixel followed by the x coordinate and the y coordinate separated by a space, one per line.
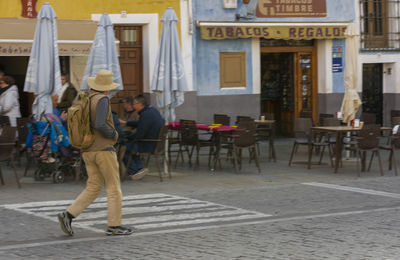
pixel 269 123
pixel 217 131
pixel 338 130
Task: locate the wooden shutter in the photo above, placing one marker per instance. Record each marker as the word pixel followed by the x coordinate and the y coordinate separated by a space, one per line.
pixel 232 69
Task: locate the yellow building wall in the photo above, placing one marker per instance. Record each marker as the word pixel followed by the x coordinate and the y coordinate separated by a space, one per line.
pixel 82 9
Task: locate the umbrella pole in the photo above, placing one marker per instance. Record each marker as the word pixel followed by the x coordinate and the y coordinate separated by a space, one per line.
pixel 166 170
pixel 348 138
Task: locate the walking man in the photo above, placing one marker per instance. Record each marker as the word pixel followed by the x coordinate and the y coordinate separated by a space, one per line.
pixel 100 160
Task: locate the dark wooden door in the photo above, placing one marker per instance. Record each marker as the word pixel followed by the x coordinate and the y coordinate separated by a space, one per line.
pixel 277 90
pixel 130 61
pixel 372 94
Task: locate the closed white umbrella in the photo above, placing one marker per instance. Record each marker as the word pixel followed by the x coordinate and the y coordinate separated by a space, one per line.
pixel 351 100
pixel 103 54
pixel 169 81
pixel 43 76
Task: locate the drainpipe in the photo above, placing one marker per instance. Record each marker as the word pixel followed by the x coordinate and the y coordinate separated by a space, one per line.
pixel 189 7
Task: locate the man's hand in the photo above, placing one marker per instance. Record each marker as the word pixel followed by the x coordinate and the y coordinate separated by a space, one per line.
pixel 122 122
pixel 54 100
pixel 64 116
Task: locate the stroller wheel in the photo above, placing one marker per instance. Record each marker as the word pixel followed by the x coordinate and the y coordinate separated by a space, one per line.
pixel 39 175
pixel 58 176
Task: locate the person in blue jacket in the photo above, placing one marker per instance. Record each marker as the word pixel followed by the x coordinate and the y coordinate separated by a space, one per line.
pixel 147 127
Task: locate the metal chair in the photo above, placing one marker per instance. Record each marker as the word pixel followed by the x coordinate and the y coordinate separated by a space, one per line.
pixel 7 137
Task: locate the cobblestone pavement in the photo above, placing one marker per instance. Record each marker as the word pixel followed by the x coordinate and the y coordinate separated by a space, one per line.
pixel 282 213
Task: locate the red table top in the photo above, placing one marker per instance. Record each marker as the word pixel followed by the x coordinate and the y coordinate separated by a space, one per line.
pixel 206 127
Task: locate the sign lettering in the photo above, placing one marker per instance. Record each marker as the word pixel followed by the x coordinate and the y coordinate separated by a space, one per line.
pixel 29 8
pixel 291 8
pixel 24 49
pixel 273 32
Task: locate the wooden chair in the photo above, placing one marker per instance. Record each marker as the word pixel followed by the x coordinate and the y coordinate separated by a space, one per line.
pixel 395 120
pixel 305 114
pixel 269 116
pixel 331 139
pixel 158 152
pixel 322 116
pixel 368 118
pixel 244 138
pixel 393 145
pixel 189 137
pixel 302 131
pixel 266 132
pixel 4 120
pixel 394 113
pixel 368 141
pixel 245 118
pixel 22 135
pixel 222 119
pixel 174 140
pixel 7 144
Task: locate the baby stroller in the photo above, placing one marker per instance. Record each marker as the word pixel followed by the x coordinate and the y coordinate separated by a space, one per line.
pixel 51 149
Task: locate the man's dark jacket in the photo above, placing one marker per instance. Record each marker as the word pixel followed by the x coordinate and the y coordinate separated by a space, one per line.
pixel 147 127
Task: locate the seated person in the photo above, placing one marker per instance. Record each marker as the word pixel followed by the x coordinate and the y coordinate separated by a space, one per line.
pixel 66 94
pixel 60 113
pixel 130 114
pixel 148 127
pixel 118 127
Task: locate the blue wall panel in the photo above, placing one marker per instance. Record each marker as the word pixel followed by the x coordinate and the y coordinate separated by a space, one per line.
pixel 338 77
pixel 207 59
pixel 206 52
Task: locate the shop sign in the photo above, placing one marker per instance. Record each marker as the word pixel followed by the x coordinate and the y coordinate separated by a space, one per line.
pixel 24 49
pixel 273 32
pixel 337 59
pixel 291 8
pixel 29 8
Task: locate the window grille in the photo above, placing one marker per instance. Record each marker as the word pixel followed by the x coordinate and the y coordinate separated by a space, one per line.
pixel 380 25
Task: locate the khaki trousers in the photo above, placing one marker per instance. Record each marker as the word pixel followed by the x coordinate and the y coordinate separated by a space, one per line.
pixel 101 167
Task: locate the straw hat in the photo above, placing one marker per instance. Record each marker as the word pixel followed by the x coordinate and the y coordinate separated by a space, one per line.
pixel 103 81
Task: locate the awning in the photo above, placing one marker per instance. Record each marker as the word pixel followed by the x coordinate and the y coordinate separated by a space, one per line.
pixel 285 31
pixel 75 37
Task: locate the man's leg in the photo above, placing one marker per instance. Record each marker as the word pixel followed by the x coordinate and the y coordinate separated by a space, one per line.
pixel 136 163
pixel 108 164
pixel 94 186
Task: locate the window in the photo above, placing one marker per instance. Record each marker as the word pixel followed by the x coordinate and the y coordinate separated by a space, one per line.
pixel 232 67
pixel 380 24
